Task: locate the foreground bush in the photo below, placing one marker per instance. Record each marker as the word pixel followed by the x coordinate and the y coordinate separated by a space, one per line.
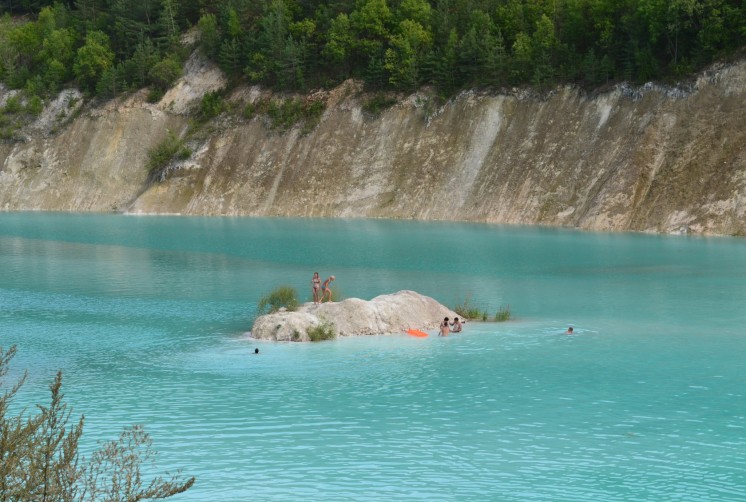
pixel 39 459
pixel 282 297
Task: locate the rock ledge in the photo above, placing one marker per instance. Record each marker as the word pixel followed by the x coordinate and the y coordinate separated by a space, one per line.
pixel 385 314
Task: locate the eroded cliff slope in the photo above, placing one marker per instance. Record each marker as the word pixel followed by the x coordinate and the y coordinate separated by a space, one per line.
pixel 649 158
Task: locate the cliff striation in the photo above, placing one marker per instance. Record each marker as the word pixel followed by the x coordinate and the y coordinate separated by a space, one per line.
pixel 647 158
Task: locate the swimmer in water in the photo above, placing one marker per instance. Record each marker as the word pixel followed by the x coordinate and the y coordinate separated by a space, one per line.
pixel 444 328
pixel 456 325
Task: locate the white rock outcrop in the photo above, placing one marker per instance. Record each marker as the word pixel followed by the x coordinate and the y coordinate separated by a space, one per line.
pixel 385 314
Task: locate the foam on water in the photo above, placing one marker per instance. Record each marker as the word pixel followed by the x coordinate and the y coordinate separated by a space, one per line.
pixel 147 319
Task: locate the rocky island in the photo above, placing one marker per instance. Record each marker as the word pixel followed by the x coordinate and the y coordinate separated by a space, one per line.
pixel 384 314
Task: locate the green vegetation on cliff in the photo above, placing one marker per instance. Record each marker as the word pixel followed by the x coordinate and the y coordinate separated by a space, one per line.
pixel 110 46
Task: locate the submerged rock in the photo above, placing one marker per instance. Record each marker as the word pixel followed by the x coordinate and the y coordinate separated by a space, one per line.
pixel 385 314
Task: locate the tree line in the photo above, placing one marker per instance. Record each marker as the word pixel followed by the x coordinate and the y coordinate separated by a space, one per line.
pixel 110 46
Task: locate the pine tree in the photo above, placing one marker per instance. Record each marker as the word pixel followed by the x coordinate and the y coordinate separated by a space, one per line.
pixel 168 22
pixel 230 58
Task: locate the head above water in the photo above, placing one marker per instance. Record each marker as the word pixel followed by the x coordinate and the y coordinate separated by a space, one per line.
pixel 256 351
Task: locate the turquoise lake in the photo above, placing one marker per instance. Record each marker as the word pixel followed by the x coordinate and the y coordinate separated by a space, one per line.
pixel 147 317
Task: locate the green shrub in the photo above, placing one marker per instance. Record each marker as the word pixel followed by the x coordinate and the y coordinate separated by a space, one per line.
pixel 7 133
pixel 211 105
pixel 249 111
pixel 155 95
pixel 468 311
pixel 35 86
pixel 285 113
pixel 378 103
pixel 503 314
pixel 312 115
pixel 322 332
pixel 34 106
pixel 283 296
pixel 13 105
pixel 41 459
pixel 163 153
pixel 165 72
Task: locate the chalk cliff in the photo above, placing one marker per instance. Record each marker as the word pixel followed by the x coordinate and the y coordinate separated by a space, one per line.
pixel 650 158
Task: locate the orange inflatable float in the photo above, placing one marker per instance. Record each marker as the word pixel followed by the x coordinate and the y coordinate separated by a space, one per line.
pixel 416 332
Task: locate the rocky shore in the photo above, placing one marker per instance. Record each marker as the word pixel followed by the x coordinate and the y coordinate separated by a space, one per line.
pixel 385 314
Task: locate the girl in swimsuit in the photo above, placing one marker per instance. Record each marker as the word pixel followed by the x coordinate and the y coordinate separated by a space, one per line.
pixel 316 284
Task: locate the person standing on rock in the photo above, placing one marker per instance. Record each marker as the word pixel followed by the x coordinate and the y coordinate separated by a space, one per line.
pixel 326 289
pixel 316 285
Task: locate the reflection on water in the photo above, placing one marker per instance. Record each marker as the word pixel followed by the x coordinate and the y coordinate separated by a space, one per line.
pixel 146 317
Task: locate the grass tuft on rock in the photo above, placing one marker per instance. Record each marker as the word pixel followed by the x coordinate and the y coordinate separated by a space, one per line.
pixel 322 332
pixel 282 297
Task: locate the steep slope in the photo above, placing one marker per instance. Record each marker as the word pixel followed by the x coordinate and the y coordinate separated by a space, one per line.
pixel 650 159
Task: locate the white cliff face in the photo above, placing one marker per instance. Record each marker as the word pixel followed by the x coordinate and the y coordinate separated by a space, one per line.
pixel 648 158
pixel 385 314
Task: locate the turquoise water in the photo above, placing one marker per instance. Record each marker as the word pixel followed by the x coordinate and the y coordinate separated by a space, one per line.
pixel 147 318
